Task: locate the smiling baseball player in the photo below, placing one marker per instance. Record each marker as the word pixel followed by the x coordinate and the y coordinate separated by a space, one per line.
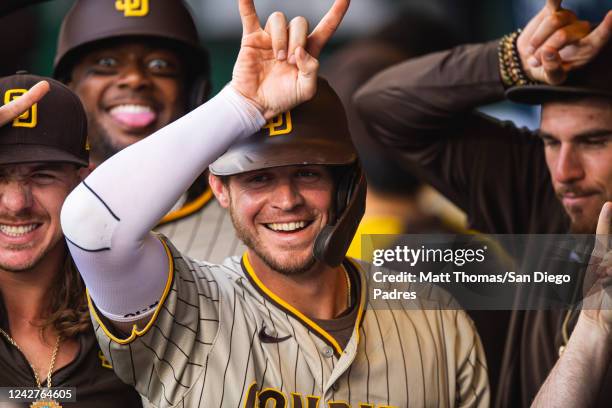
pixel 289 323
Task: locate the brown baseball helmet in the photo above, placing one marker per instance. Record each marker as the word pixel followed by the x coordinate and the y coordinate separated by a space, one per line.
pixel 315 132
pixel 89 23
pixel 594 79
pixel 42 134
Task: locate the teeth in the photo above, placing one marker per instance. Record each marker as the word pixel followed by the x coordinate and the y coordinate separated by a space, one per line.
pixel 131 109
pixel 290 226
pixel 17 231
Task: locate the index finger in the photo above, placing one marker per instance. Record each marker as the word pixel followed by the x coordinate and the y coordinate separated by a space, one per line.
pixel 17 106
pixel 327 27
pixel 248 16
pixel 553 5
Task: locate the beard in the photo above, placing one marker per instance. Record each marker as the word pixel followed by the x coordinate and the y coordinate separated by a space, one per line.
pixel 30 264
pixel 34 261
pixel 580 226
pixel 292 268
pixel 101 142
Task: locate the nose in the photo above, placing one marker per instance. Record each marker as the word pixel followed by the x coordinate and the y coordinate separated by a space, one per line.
pixel 15 196
pixel 134 76
pixel 286 196
pixel 568 167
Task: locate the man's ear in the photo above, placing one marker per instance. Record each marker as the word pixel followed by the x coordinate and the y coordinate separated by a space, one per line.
pixel 219 189
pixel 83 172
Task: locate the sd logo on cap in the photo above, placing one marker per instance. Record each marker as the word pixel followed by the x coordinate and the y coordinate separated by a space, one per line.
pixel 52 130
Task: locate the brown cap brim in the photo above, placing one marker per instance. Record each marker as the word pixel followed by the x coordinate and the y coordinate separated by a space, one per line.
pixel 539 94
pixel 28 153
pixel 268 155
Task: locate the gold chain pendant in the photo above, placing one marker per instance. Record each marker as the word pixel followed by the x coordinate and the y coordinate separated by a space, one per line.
pixel 45 404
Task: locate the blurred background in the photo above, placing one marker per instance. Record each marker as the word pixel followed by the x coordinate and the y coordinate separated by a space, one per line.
pixel 28 36
pixel 409 27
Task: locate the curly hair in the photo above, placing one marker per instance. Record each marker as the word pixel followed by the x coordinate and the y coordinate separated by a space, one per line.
pixel 68 311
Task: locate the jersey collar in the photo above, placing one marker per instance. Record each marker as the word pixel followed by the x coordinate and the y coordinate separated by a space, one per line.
pixel 351 267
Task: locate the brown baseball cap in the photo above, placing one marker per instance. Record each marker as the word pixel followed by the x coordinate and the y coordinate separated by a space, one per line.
pixel 315 132
pixel 91 21
pixel 594 79
pixel 52 130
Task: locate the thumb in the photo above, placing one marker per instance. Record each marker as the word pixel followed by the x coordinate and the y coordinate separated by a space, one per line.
pixel 600 36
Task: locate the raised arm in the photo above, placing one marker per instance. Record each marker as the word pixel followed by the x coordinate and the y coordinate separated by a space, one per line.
pixel 107 219
pixel 578 375
pixel 425 110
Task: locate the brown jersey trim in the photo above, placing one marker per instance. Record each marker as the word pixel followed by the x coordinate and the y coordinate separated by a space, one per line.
pixel 287 308
pixel 135 332
pixel 189 208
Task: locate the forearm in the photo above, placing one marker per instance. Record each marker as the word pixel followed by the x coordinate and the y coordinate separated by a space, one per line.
pixel 107 219
pixel 577 376
pixel 431 92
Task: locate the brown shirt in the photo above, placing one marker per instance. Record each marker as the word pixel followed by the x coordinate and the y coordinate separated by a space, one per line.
pixel 424 110
pixel 90 373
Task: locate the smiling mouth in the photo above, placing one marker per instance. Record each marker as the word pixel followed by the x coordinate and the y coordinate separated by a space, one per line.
pixel 288 226
pixel 17 231
pixel 134 115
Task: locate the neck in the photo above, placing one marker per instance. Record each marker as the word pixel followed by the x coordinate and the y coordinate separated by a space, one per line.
pixel 319 293
pixel 33 285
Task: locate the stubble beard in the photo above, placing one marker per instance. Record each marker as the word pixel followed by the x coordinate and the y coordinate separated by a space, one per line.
pixel 256 246
pixel 32 263
pixel 101 142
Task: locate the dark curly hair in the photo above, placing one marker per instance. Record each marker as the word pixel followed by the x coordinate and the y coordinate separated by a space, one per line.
pixel 68 311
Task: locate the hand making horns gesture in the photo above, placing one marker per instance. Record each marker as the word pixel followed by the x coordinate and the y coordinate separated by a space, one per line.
pixel 277 65
pixel 18 106
pixel 597 304
pixel 555 42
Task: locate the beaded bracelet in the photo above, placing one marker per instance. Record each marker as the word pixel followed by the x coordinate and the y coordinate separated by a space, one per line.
pixel 510 66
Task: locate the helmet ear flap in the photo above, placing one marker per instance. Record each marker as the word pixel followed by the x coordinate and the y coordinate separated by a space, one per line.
pixel 198 92
pixel 334 239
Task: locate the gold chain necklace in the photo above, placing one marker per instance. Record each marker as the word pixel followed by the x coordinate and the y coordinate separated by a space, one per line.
pixel 53 357
pixel 348 289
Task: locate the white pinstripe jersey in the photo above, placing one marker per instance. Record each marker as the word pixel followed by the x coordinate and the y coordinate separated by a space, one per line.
pixel 220 338
pixel 202 232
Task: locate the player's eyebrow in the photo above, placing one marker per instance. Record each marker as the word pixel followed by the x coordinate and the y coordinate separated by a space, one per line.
pixel 544 136
pixel 593 134
pixel 580 137
pixel 48 166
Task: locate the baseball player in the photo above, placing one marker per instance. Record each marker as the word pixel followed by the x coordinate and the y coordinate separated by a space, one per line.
pixel 515 181
pixel 289 323
pixel 137 66
pixel 46 336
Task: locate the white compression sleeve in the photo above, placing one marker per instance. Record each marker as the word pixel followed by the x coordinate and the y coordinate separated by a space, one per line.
pixel 107 219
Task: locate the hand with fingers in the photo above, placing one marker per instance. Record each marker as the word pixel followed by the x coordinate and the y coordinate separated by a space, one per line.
pixel 556 42
pixel 18 106
pixel 597 304
pixel 277 65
